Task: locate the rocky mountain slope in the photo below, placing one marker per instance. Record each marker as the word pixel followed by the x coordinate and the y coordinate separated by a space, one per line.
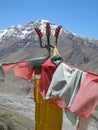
pixel 21 43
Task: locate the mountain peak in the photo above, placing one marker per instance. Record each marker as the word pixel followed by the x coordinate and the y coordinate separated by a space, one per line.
pixel 21 42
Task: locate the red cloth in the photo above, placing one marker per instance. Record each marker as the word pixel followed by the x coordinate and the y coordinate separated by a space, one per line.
pixel 48 69
pixel 7 67
pixel 87 97
pixel 22 70
pixel 58 102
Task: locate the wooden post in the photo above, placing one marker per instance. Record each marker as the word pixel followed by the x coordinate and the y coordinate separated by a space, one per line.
pixel 47 115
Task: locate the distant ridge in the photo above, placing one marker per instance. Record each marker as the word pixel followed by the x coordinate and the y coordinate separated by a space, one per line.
pixel 21 42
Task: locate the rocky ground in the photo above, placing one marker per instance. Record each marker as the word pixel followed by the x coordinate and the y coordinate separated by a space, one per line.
pixel 17 107
pixel 18 112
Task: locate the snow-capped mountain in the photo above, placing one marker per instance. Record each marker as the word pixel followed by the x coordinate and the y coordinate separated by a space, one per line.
pixel 21 31
pixel 21 42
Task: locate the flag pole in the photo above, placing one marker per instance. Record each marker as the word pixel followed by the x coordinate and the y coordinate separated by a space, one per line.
pixel 48 116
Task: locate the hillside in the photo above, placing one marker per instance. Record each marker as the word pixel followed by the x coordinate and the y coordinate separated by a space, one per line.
pixel 21 43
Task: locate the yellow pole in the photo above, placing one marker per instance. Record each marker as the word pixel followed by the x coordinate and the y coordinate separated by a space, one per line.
pixel 47 115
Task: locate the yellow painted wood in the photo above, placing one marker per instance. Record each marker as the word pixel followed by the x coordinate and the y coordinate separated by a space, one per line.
pixel 48 116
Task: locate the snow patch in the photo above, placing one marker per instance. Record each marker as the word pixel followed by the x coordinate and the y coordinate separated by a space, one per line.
pixel 3 32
